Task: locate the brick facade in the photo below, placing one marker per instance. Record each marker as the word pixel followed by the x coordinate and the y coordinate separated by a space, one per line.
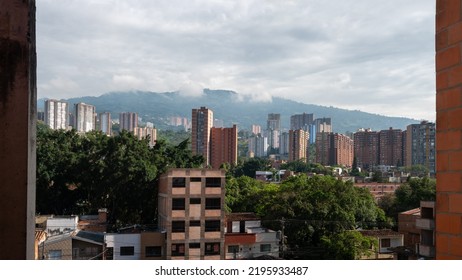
pixel 449 129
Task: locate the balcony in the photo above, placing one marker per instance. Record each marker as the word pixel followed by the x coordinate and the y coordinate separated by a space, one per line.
pixel 428 224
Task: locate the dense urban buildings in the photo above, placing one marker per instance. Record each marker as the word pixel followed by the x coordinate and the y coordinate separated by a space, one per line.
pixel 273 122
pixel 255 129
pixel 105 123
pixel 149 133
pixel 258 146
pixel 391 147
pixel 201 124
pixel 334 149
pixel 223 146
pixel 301 121
pixel 420 145
pixel 448 130
pixel 85 117
pixel 298 145
pixel 128 121
pixel 57 114
pixel 191 212
pixel 366 148
pixel 323 125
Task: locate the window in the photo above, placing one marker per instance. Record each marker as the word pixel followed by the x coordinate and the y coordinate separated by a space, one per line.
pixel 385 243
pixel 194 201
pixel 177 249
pixel 213 225
pixel 153 251
pixel 55 255
pixel 178 226
pixel 178 182
pixel 194 223
pixel 214 182
pixel 194 245
pixel 212 203
pixel 178 203
pixel 212 249
pixel 233 249
pixel 196 179
pixel 265 248
pixel 127 251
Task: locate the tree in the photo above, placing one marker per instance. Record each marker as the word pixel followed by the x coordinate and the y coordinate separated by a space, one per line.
pixel 409 194
pixel 78 174
pixel 348 245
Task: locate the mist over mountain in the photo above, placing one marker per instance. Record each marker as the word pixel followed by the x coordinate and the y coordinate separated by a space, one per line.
pixel 232 108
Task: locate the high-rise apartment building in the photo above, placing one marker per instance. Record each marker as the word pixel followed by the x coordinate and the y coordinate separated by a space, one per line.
pixel 128 121
pixel 105 123
pixel 255 129
pixel 85 117
pixel 420 145
pixel 201 124
pixel 301 121
pixel 57 114
pixel 223 146
pixel 258 146
pixel 149 133
pixel 391 147
pixel 334 149
pixel 366 148
pixel 191 212
pixel 284 144
pixel 323 125
pixel 298 145
pixel 273 122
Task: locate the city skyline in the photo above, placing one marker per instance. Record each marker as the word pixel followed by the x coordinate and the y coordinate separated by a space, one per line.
pixel 373 57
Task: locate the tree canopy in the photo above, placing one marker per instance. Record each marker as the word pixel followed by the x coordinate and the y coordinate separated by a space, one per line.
pixel 80 173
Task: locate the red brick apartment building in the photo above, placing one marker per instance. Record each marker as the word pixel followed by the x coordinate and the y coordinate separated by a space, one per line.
pixel 223 146
pixel 449 129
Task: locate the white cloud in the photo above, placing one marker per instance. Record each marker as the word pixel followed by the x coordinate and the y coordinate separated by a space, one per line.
pixel 358 54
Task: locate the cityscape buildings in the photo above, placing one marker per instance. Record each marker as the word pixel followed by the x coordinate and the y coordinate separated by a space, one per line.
pixel 298 145
pixel 391 147
pixel 301 121
pixel 128 121
pixel 223 147
pixel 366 148
pixel 57 114
pixel 85 117
pixel 201 124
pixel 105 123
pixel 191 212
pixel 420 145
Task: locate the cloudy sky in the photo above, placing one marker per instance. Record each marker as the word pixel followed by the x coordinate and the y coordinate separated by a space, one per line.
pixel 370 55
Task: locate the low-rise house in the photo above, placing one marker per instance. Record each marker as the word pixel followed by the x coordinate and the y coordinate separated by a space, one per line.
pixel 426 224
pixel 407 226
pixel 97 223
pixel 388 241
pixel 75 245
pixel 245 238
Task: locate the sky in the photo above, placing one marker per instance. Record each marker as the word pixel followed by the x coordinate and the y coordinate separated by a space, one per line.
pixel 370 55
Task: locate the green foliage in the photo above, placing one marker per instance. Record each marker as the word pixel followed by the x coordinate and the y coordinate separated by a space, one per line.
pixel 300 166
pixel 249 167
pixel 78 174
pixel 308 209
pixel 409 194
pixel 348 245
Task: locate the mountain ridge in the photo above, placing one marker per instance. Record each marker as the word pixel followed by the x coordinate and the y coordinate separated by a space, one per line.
pixel 232 108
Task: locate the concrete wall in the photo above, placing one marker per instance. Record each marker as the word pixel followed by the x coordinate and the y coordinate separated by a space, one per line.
pixel 116 241
pixel 18 98
pixel 449 129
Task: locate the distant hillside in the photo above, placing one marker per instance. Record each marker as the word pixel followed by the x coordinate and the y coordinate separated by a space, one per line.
pixel 158 107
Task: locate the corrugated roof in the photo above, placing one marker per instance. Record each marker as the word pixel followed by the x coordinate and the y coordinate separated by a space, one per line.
pixel 242 217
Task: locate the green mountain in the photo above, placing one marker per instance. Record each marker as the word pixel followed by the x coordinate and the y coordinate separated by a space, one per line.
pixel 232 109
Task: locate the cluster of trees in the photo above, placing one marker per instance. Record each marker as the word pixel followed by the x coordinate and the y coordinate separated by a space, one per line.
pixel 317 214
pixel 78 174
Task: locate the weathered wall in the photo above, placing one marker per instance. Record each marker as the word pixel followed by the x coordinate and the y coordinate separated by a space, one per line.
pixel 17 128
